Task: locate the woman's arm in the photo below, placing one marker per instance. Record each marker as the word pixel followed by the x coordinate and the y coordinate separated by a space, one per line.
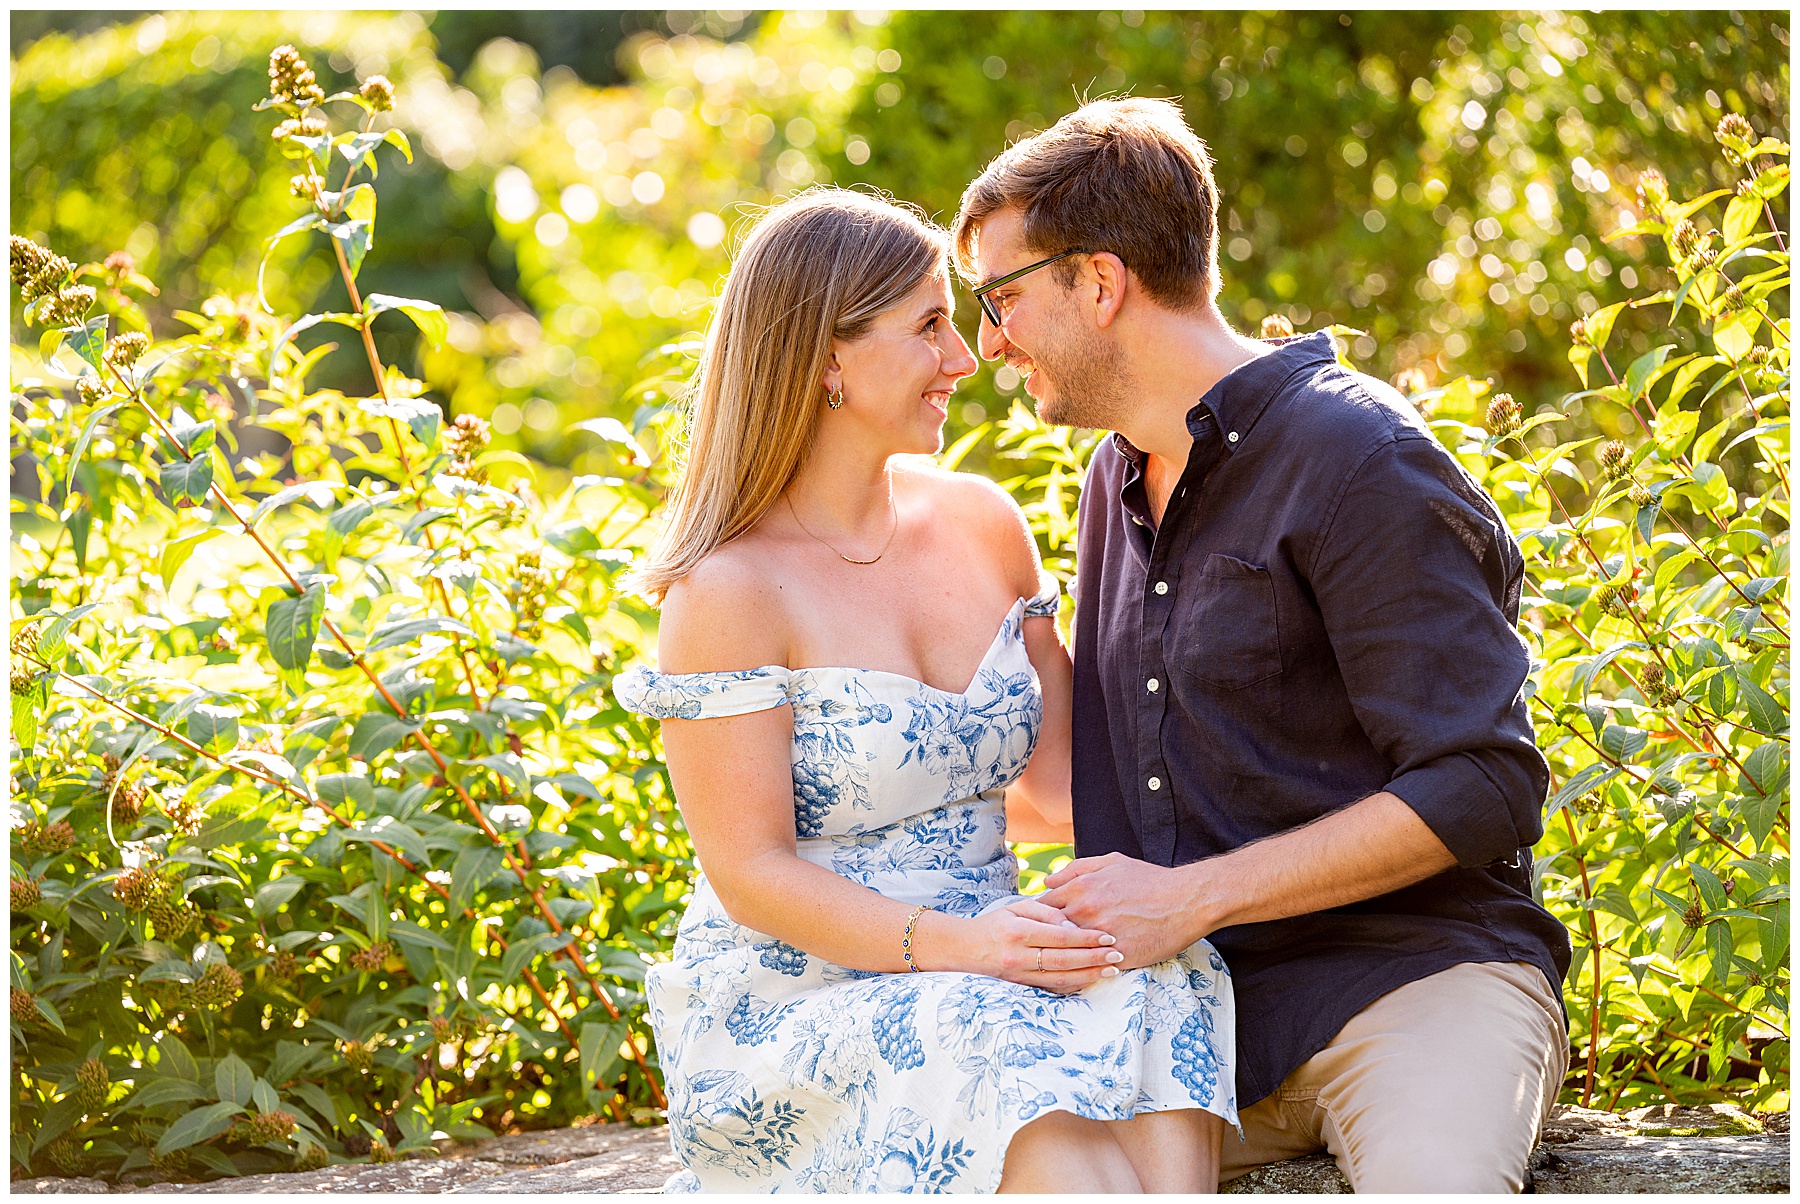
pixel 1037 805
pixel 734 784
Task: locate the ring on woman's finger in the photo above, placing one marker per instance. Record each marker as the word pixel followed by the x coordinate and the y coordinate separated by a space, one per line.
pixel 1040 961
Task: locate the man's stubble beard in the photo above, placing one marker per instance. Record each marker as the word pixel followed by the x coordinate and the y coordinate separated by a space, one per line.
pixel 1086 382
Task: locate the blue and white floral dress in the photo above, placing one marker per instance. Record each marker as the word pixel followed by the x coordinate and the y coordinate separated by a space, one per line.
pixel 788 1073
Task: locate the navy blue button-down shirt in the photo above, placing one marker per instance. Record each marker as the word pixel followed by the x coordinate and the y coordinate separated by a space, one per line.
pixel 1326 611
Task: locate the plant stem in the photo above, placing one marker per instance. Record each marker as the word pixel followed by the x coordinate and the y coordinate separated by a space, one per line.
pixel 1587 896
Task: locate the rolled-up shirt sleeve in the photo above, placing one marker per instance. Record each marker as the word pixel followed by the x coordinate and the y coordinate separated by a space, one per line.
pixel 1417 581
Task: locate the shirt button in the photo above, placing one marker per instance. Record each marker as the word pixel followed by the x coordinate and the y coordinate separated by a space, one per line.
pixel 1231 438
pixel 1162 587
pixel 1154 783
pixel 1152 685
pixel 1137 520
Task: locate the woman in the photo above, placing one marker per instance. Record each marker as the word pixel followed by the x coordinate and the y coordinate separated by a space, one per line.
pixel 863 695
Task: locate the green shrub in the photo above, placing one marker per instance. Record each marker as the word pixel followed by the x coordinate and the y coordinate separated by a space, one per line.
pixel 331 838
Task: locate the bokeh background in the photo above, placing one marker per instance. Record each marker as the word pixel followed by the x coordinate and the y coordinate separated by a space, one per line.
pixel 1444 182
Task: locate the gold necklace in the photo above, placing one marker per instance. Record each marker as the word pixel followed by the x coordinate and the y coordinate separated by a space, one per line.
pixel 841 556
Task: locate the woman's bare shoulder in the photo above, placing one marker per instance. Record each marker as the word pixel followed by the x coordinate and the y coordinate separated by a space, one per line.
pixel 981 508
pixel 727 613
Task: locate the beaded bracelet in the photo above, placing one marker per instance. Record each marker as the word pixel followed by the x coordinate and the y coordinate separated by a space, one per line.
pixel 906 937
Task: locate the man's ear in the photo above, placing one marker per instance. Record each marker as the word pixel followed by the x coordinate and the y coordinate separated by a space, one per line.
pixel 1110 278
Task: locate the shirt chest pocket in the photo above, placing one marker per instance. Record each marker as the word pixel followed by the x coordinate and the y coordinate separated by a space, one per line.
pixel 1225 632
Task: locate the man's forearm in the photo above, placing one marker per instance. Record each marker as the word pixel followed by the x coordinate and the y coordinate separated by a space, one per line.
pixel 1367 849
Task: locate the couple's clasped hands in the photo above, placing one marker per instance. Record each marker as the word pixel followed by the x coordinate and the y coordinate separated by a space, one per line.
pixel 1100 915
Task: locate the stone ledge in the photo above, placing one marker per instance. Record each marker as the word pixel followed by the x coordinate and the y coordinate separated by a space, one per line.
pixel 1710 1150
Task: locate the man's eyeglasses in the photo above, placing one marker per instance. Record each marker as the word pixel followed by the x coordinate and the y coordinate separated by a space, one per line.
pixel 990 307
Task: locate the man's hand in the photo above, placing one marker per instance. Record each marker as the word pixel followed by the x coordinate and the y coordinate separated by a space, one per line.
pixel 1151 910
pixel 1366 849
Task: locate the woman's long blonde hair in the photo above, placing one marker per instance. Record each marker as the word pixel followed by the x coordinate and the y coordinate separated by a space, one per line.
pixel 821 266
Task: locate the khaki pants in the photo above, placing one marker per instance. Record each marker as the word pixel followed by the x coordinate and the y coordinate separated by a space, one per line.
pixel 1438 1086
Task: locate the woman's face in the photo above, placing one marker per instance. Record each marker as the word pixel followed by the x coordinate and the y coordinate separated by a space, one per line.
pixel 897 378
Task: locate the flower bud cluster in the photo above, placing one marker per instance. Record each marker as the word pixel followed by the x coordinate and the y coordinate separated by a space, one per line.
pixel 466 438
pixel 37 271
pixel 378 92
pixel 373 958
pixel 1614 599
pixel 184 814
pixel 69 307
pixel 1641 495
pixel 291 81
pixel 284 966
pixel 26 893
pixel 1657 688
pixel 1735 137
pixel 1653 193
pixel 1685 236
pixel 312 1157
pixel 529 593
pixel 1615 461
pixel 123 350
pixel 25 1008
pixel 1503 414
pixel 299 127
pixel 1732 300
pixel 1277 326
pixel 67 1156
pixel 92 388
pixel 219 987
pixel 40 840
pixel 92 1084
pixel 264 1126
pixel 1578 333
pixel 358 1056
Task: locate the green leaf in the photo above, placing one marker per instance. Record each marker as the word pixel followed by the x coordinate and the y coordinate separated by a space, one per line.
pixel 1703 446
pixel 397 138
pixel 176 552
pixel 233 1080
pixel 421 415
pixel 319 493
pixel 199 1125
pixel 213 727
pixel 1734 333
pixel 1673 431
pixel 524 952
pixel 358 149
pixel 87 435
pixel 89 340
pixel 1712 891
pixel 474 866
pixel 185 482
pixel 264 1096
pixel 1623 743
pixel 1673 214
pixel 1765 770
pixel 1600 324
pixel 408 933
pixel 391 635
pixel 166 1091
pixel 1741 218
pixel 309 222
pixel 176 1060
pixel 272 894
pixel 600 1056
pixel 1646 369
pixel 53 639
pixel 1766 715
pixel 309 740
pixel 354 238
pixel 428 316
pixel 1719 948
pixel 306 323
pixel 1760 811
pixel 340 788
pixel 375 733
pixel 292 627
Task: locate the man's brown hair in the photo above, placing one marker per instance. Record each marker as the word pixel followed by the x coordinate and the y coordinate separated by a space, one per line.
pixel 1126 176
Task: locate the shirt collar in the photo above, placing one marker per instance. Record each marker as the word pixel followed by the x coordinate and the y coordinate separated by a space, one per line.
pixel 1237 400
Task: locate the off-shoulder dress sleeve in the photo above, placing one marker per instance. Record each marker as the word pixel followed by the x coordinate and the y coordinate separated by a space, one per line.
pixel 1048 600
pixel 701 695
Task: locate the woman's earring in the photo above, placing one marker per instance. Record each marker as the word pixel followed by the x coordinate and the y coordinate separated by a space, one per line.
pixel 835 397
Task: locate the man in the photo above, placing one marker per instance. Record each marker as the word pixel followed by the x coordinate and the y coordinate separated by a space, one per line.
pixel 1299 722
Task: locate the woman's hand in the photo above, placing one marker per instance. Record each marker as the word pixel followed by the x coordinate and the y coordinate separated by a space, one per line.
pixel 1014 941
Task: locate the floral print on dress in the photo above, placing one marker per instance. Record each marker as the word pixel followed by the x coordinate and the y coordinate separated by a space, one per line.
pixel 789 1073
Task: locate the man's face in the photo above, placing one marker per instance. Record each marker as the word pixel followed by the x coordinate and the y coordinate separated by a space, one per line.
pixel 1072 368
